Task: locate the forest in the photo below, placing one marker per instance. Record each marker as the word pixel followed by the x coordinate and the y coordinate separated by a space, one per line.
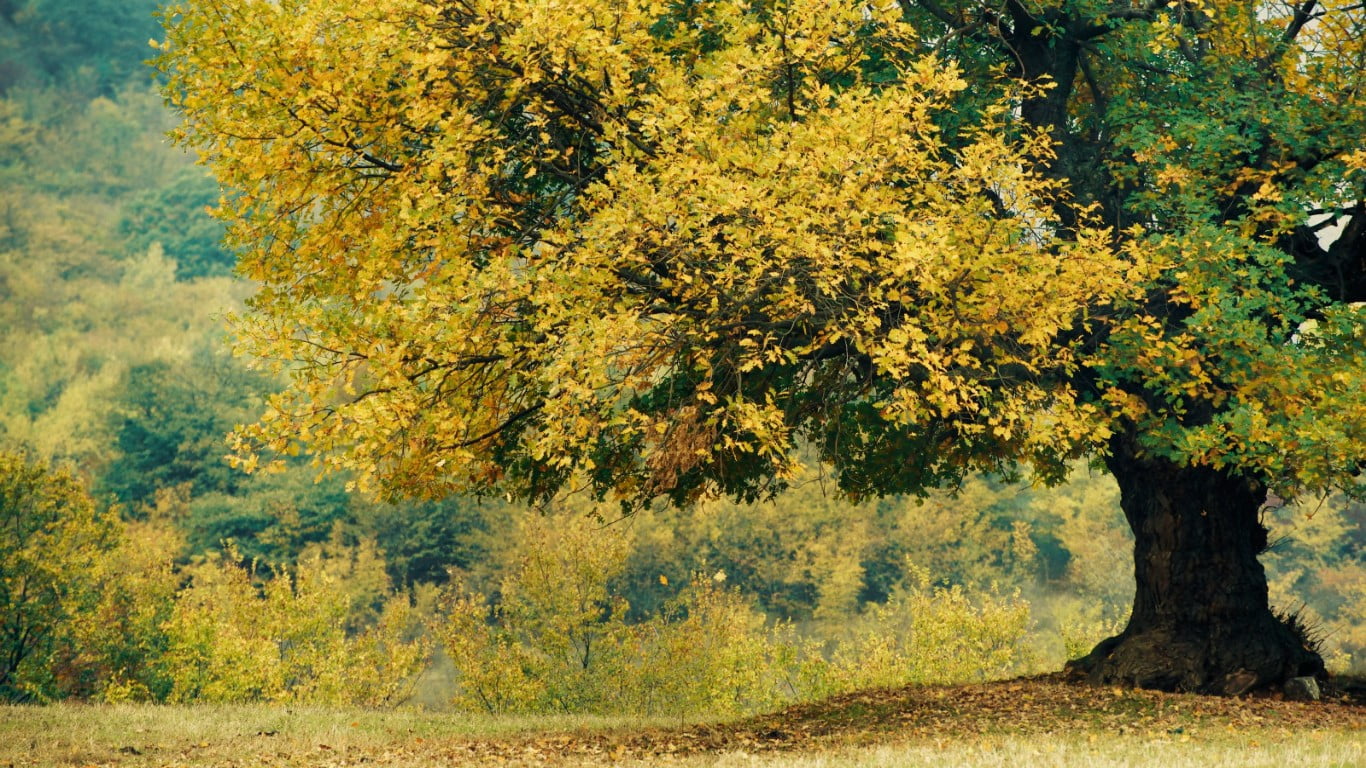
pixel 138 564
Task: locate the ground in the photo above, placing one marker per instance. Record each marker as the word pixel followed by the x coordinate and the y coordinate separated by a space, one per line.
pixel 1036 721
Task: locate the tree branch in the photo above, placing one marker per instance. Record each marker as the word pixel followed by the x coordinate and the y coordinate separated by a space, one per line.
pixel 935 9
pixel 1303 15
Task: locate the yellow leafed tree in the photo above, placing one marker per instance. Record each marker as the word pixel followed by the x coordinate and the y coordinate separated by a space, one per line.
pixel 652 248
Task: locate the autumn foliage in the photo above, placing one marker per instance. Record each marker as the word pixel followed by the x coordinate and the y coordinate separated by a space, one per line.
pixel 523 244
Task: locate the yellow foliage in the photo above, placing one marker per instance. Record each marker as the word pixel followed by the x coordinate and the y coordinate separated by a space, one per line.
pixel 557 640
pixel 930 634
pixel 234 637
pixel 595 237
pixel 51 534
pixel 707 651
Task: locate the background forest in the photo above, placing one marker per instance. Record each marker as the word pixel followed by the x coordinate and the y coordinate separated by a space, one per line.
pixel 137 564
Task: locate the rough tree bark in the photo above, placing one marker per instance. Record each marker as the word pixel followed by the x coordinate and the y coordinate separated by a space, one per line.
pixel 1201 621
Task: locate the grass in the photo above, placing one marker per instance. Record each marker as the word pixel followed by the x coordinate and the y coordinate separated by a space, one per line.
pixel 233 734
pixel 1035 722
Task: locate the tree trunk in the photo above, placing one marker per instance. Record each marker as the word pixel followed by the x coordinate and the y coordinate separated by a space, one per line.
pixel 1200 620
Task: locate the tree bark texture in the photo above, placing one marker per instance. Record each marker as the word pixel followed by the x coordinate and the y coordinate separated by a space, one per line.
pixel 1201 621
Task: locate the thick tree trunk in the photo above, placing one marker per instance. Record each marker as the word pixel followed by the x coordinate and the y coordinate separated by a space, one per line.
pixel 1200 620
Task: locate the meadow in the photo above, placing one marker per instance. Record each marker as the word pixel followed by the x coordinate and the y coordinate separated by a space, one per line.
pixel 1041 721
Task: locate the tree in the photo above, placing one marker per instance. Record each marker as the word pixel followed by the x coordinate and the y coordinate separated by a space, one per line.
pixel 95 45
pixel 50 536
pixel 168 423
pixel 652 249
pixel 174 215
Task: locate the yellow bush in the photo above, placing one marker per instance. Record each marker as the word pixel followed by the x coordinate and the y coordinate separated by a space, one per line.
pixel 711 652
pixel 929 634
pixel 234 637
pixel 558 641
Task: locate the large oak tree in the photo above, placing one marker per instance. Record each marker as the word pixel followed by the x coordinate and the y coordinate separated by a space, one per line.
pixel 654 249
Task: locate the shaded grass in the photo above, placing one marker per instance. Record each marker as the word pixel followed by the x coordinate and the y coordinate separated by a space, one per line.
pixel 1038 721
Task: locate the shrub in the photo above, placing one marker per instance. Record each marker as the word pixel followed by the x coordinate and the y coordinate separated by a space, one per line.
pixel 557 640
pixel 234 637
pixel 928 634
pixel 709 652
pixel 51 537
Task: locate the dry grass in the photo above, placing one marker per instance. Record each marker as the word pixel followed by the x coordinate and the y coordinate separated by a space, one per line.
pixel 1037 722
pixel 256 734
pixel 1313 750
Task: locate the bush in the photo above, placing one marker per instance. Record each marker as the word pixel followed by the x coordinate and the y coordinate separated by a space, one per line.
pixel 556 639
pixel 51 537
pixel 235 638
pixel 710 652
pixel 928 634
pixel 118 648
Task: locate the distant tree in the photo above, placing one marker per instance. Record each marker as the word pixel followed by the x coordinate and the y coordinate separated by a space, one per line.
pixel 175 215
pixel 51 534
pixel 423 540
pixel 94 44
pixel 169 423
pixel 270 518
pixel 653 249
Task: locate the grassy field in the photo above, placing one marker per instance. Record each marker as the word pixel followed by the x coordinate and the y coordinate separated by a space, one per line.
pixel 1037 722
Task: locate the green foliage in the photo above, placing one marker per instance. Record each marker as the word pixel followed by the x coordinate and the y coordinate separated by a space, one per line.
pixel 95 148
pixel 169 422
pixel 74 318
pixel 424 541
pixel 175 216
pixel 93 45
pixel 51 537
pixel 272 519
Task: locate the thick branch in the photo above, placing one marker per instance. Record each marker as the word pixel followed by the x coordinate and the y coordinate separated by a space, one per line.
pixel 1303 14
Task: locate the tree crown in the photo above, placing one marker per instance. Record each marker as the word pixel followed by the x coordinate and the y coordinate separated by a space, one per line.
pixel 655 248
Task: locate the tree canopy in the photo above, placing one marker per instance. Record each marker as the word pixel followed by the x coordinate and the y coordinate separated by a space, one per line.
pixel 50 538
pixel 656 246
